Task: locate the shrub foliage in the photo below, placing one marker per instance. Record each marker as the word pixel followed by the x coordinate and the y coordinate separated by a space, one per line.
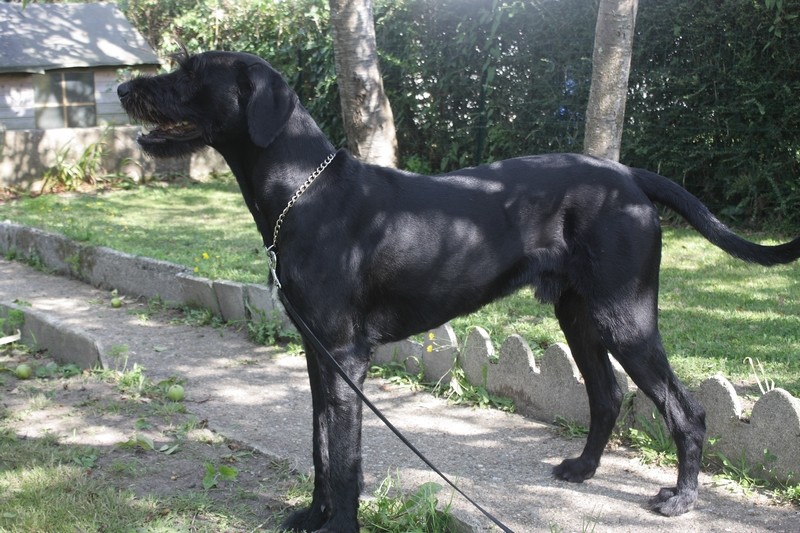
pixel 713 94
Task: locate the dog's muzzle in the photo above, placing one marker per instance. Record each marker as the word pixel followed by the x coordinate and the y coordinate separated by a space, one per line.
pixel 161 130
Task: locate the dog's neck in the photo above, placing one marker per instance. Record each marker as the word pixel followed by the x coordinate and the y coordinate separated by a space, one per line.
pixel 299 149
pixel 269 176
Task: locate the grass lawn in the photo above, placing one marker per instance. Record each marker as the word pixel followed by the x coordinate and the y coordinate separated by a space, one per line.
pixel 715 311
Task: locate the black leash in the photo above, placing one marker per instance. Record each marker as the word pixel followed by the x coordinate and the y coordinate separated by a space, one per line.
pixel 308 334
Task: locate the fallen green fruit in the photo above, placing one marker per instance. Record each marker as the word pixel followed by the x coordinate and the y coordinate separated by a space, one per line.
pixel 23 371
pixel 175 393
pixel 116 303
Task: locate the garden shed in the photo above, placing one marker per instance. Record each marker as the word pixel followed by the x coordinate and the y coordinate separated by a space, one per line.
pixel 60 65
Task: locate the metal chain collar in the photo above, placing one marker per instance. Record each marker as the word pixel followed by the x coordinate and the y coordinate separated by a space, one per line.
pixel 272 257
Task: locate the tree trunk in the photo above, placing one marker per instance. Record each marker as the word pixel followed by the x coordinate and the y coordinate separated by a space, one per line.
pixel 611 63
pixel 368 120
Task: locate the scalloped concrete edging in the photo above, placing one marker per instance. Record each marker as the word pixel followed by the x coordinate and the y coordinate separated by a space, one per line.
pixel 554 388
pixel 551 388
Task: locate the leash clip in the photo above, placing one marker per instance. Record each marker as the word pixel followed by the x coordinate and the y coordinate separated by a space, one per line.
pixel 272 261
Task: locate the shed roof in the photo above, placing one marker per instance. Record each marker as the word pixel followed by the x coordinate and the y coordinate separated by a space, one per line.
pixel 43 37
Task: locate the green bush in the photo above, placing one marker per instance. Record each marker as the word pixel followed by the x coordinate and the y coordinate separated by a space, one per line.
pixel 713 104
pixel 712 95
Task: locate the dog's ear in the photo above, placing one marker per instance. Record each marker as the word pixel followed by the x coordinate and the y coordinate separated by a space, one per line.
pixel 270 104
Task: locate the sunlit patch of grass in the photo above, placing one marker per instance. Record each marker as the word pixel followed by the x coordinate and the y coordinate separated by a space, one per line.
pixel 519 314
pixel 181 224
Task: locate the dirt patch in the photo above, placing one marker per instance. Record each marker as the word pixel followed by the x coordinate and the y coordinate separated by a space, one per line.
pixel 123 432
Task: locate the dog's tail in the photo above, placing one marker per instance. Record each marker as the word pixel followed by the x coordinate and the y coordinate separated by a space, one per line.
pixel 666 192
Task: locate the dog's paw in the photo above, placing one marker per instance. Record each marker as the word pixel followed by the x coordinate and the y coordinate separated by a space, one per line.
pixel 304 520
pixel 670 502
pixel 339 526
pixel 575 470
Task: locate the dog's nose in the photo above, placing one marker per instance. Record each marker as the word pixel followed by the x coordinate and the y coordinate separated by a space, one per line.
pixel 123 90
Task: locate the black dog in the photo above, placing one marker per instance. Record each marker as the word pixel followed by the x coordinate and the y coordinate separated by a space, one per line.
pixel 370 255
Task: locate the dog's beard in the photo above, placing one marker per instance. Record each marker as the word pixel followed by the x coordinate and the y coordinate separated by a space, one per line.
pixel 162 135
pixel 160 145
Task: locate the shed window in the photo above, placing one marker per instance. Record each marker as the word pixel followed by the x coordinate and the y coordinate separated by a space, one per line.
pixel 64 99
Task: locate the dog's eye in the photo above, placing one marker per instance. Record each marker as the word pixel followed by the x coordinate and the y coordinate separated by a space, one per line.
pixel 185 87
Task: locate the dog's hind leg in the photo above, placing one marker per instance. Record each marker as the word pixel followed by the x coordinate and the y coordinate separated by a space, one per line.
pixel 338 478
pixel 605 396
pixel 630 331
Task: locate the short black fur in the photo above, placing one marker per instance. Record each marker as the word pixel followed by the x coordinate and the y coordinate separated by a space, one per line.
pixel 371 255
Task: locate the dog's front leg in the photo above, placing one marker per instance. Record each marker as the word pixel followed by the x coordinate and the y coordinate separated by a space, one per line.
pixel 313 517
pixel 345 477
pixel 338 476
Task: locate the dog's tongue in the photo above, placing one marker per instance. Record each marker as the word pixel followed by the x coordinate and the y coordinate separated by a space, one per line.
pixel 151 137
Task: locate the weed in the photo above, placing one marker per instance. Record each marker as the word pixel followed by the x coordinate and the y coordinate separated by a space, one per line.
pixel 653 442
pixel 48 484
pixel 60 497
pixel 74 263
pixel 49 439
pixel 153 307
pixel 119 354
pixel 294 348
pixel 143 442
pixel 749 477
pixel 53 369
pixel 12 322
pixel 188 426
pixel 34 260
pixel 124 468
pixel 169 408
pixel 569 428
pixel 395 373
pixel 86 459
pixel 112 407
pixel 142 423
pixel 39 402
pixel 589 522
pixel 197 317
pixel 299 491
pixel 133 381
pixel 209 437
pixel 214 474
pixel 459 390
pixel 740 472
pixel 269 329
pixel 68 174
pixel 625 416
pixel 768 384
pixel 393 512
pixel 788 494
pixel 7 435
pixel 138 441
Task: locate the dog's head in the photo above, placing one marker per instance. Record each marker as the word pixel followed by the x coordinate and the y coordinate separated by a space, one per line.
pixel 212 99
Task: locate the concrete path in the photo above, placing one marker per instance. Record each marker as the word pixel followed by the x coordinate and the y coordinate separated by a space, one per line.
pixel 260 396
